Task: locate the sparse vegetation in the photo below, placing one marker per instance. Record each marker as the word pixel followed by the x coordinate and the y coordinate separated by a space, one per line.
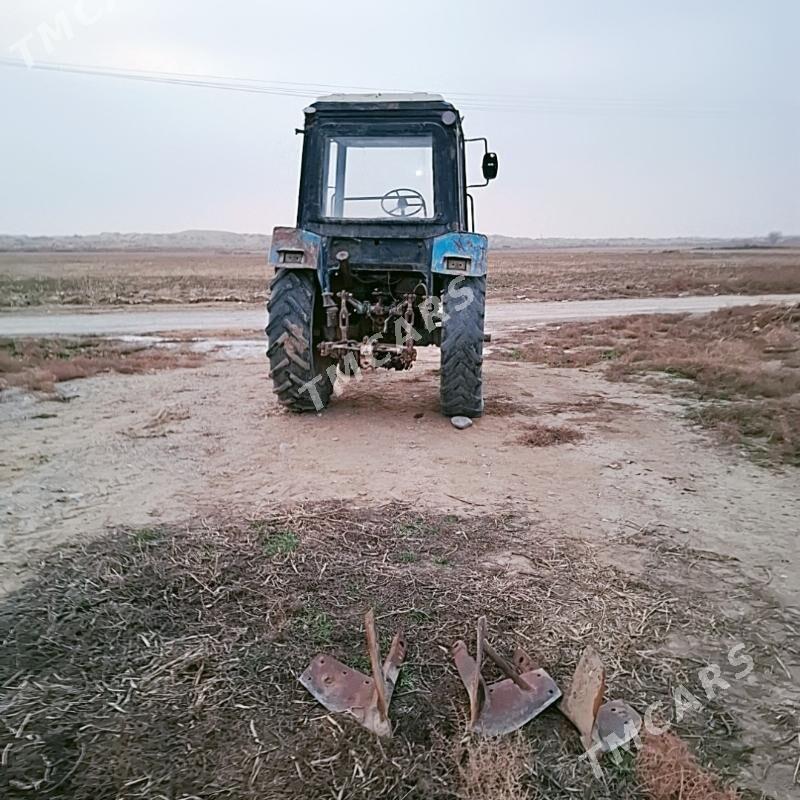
pixel 146 536
pixel 164 276
pixel 416 528
pixel 493 769
pixel 739 366
pixel 39 364
pixel 669 771
pixel 315 626
pixel 130 278
pixel 281 543
pixel 537 435
pixel 598 273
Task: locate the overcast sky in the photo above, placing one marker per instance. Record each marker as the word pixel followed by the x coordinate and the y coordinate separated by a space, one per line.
pixel 615 118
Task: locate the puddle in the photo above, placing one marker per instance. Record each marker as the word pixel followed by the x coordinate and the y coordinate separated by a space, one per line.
pixel 226 348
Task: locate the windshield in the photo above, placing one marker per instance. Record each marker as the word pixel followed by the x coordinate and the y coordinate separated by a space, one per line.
pixel 379 177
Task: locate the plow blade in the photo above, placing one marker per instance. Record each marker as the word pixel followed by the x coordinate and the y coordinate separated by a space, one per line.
pixel 611 724
pixel 505 706
pixel 342 690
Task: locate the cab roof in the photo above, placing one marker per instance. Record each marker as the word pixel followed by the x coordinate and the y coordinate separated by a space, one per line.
pixel 380 97
pixel 421 101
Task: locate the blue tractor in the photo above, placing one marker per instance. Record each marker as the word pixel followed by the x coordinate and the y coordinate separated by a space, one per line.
pixel 384 258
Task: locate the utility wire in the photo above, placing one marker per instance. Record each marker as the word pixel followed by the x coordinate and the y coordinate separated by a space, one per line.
pixel 472 101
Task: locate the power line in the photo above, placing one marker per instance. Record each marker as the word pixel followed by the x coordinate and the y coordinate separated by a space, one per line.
pixel 472 101
pixel 178 79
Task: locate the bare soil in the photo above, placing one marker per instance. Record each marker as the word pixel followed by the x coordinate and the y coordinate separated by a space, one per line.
pixel 642 538
pixel 131 278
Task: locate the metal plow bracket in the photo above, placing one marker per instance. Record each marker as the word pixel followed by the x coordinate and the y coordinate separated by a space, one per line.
pixel 344 690
pixel 610 724
pixel 506 705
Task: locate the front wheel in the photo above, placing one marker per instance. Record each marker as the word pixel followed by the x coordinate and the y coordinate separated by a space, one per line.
pixel 301 379
pixel 461 380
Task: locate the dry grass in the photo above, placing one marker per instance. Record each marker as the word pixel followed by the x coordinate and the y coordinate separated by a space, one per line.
pixel 667 770
pixel 537 435
pixel 163 662
pixel 130 278
pixel 38 364
pixel 586 274
pixel 741 365
pixel 493 769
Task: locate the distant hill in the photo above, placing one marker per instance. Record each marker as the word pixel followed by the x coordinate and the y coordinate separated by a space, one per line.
pixel 226 241
pixel 183 240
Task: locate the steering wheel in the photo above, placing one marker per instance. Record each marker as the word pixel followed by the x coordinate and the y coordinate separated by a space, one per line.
pixel 407 203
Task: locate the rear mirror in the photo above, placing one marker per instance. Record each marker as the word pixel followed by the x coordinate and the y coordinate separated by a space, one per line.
pixel 490 166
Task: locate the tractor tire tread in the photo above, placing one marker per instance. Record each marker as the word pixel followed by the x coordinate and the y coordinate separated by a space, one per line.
pixel 461 378
pixel 290 341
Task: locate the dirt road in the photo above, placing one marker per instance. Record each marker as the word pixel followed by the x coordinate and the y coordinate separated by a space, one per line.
pixel 499 315
pixel 70 469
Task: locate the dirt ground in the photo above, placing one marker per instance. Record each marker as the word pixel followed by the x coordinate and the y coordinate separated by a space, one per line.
pixel 650 496
pixel 125 278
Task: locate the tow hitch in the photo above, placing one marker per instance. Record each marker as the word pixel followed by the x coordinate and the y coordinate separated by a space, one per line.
pixel 371 351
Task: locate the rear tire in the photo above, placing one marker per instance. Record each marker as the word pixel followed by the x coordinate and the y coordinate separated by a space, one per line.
pixel 299 375
pixel 461 379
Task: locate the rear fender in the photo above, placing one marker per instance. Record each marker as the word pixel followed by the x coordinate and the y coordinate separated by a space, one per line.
pixel 296 248
pixel 460 254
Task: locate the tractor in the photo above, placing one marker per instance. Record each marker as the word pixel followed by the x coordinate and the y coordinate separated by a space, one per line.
pixel 384 258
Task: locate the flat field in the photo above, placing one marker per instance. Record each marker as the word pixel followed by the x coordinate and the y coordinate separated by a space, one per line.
pixel 132 278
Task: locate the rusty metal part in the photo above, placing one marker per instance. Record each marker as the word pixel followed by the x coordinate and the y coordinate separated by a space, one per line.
pixel 344 317
pixel 505 667
pixel 506 705
pixel 409 353
pixel 369 352
pixel 616 724
pixel 343 259
pixel 344 690
pixel 585 694
pixel 331 313
pixel 375 662
pixel 610 724
pixel 523 661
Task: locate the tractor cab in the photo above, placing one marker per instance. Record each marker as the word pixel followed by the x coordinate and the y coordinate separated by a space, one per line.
pixel 384 228
pixel 375 161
